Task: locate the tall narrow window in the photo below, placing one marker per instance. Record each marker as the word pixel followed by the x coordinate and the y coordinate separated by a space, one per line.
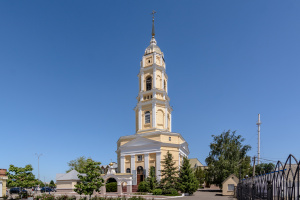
pixel 147 117
pixel 165 85
pixel 148 83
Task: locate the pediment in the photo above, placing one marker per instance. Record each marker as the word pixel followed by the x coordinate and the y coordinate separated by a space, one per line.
pixel 185 147
pixel 141 141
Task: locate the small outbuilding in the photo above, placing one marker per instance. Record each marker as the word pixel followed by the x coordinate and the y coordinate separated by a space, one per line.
pixel 65 183
pixel 229 184
pixel 3 179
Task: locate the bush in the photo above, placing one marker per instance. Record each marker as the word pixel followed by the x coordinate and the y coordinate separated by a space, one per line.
pixel 170 192
pixel 72 197
pixel 136 198
pixel 157 191
pixel 62 197
pixel 111 187
pixel 47 197
pixel 143 187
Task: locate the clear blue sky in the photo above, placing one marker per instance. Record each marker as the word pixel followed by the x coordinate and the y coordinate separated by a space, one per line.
pixel 68 75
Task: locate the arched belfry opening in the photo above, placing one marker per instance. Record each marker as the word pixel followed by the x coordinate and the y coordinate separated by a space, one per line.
pixel 149 83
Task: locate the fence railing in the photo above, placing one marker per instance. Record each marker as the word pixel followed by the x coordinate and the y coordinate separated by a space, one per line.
pixel 281 184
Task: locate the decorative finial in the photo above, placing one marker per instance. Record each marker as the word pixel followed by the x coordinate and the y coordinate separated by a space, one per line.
pixel 153 31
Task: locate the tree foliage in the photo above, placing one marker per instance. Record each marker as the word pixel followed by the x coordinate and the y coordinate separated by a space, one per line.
pixel 169 173
pixel 187 181
pixel 52 184
pixel 21 176
pixel 264 168
pixel 90 178
pixel 151 179
pixel 78 164
pixel 200 175
pixel 227 156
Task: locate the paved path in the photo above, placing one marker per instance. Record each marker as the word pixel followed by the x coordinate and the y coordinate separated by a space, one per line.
pixel 204 195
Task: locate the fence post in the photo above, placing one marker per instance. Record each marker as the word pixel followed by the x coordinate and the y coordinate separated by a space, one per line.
pixel 270 191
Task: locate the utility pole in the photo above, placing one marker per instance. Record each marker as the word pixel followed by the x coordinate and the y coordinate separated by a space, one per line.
pixel 258 143
pixel 38 155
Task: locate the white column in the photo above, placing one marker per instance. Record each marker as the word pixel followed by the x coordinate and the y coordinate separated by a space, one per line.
pixel 170 122
pixel 140 117
pixel 166 117
pixel 179 164
pixel 142 81
pixel 129 187
pixel 143 63
pixel 122 164
pixel 153 115
pixel 154 95
pixel 146 155
pixel 157 167
pixel 119 189
pixel 167 86
pixel 161 58
pixel 154 77
pixel 132 163
pixel 162 79
pixel 154 58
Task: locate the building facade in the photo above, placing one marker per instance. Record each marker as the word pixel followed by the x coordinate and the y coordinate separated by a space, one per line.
pixel 154 137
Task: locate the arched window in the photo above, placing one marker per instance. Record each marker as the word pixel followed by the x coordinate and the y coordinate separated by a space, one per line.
pixel 140 170
pixel 149 83
pixel 128 170
pixel 147 117
pixel 165 83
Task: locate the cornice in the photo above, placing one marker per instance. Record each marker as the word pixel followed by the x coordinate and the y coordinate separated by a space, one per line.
pixel 144 69
pixel 151 134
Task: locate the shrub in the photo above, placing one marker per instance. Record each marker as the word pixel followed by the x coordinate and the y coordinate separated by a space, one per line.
pixel 62 197
pixel 47 197
pixel 143 187
pixel 157 191
pixel 71 197
pixel 111 187
pixel 170 192
pixel 136 198
pixel 24 195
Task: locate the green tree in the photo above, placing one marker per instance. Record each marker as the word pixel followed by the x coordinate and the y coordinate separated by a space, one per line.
pixel 52 184
pixel 151 179
pixel 264 168
pixel 187 181
pixel 227 156
pixel 78 164
pixel 21 176
pixel 90 178
pixel 200 175
pixel 169 173
pixel 40 183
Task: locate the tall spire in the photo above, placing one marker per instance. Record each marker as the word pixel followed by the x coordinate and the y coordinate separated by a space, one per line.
pixel 153 30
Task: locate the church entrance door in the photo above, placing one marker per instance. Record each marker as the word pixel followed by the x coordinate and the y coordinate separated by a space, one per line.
pixel 140 174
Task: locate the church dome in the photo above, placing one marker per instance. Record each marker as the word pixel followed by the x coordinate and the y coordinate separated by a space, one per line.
pixel 152 47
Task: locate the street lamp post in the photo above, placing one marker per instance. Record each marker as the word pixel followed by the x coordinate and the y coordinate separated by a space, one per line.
pixel 38 155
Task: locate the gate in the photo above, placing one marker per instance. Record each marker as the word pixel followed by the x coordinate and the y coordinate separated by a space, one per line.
pixel 281 184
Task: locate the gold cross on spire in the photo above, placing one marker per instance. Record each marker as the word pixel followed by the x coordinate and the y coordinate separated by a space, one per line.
pixel 153 31
pixel 153 12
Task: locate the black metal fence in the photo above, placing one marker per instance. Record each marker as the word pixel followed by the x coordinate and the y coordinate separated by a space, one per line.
pixel 281 184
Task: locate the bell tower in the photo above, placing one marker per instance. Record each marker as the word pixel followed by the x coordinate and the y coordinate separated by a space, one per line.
pixel 153 111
